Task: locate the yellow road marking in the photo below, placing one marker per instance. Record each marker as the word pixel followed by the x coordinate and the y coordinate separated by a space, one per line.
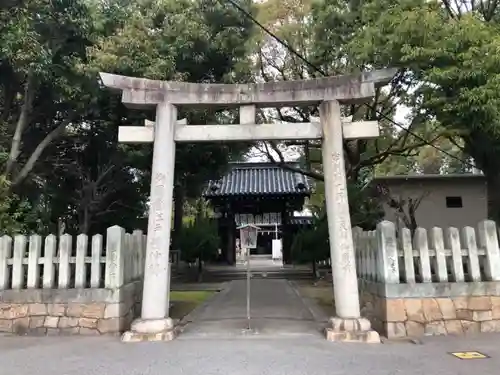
pixel 469 355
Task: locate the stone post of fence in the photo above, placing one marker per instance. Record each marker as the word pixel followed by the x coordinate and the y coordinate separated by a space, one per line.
pixel 387 264
pixel 407 247
pixel 470 245
pixel 437 243
pixel 369 244
pixel 95 266
pixel 421 244
pixel 358 254
pixel 488 239
pixel 115 260
pixel 453 242
pixel 82 242
pixel 137 245
pixel 5 253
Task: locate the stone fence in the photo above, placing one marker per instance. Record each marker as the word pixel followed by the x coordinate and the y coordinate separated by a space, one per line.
pixel 70 285
pixel 433 283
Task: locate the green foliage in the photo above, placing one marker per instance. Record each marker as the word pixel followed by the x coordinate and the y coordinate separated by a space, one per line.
pixel 366 210
pixel 332 35
pixel 11 211
pixel 199 41
pixel 312 244
pixel 64 164
pixel 199 240
pixel 450 59
pixel 453 60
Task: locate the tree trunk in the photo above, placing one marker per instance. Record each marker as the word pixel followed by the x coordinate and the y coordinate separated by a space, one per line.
pixel 30 163
pixel 484 149
pixel 200 269
pixel 22 122
pixel 178 215
pixel 493 191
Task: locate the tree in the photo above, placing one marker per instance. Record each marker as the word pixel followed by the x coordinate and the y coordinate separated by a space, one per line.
pixel 51 104
pixel 42 94
pixel 321 33
pixel 40 44
pixel 404 207
pixel 311 245
pixel 103 178
pixel 199 242
pixel 454 68
pixel 182 40
pixel 442 156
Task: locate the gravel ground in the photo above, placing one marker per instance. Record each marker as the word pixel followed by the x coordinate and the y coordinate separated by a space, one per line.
pixel 287 342
pixel 290 356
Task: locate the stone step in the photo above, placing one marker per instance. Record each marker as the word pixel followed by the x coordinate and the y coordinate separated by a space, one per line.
pixel 228 274
pixel 255 275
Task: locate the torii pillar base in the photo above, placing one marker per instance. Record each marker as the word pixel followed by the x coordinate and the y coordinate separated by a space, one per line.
pixel 351 330
pixel 150 330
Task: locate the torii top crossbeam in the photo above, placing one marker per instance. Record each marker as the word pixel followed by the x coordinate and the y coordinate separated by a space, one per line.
pixel 141 92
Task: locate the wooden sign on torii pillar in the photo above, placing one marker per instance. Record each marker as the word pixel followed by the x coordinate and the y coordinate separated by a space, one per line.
pixel 166 130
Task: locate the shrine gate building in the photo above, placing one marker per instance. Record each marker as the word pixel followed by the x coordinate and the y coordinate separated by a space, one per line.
pixel 262 194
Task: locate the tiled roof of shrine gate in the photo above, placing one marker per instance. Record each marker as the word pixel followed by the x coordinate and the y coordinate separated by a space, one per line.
pixel 258 179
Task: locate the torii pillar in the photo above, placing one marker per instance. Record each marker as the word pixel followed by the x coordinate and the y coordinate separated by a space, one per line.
pixel 329 92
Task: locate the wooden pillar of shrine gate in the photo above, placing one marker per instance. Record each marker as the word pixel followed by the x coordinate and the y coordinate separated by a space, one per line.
pixel 329 92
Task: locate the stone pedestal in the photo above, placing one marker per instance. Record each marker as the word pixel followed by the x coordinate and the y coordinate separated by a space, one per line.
pixel 150 330
pixel 351 330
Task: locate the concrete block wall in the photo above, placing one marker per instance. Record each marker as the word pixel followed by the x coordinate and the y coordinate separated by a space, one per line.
pixel 427 285
pixel 59 288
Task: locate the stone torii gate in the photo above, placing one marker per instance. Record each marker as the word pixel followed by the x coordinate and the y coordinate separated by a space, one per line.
pixel 330 92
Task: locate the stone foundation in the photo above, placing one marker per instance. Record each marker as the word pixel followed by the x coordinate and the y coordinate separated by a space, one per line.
pixel 463 311
pixel 69 311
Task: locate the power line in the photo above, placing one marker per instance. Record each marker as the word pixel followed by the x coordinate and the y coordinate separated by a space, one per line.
pixel 310 64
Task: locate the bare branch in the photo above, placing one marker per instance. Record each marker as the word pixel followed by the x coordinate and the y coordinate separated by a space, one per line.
pixel 308 173
pixel 401 205
pixel 456 144
pixel 283 164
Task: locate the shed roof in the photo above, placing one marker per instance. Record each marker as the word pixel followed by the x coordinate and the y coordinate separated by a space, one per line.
pixel 253 179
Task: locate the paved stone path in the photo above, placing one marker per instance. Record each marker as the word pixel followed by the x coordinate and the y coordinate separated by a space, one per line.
pixel 276 310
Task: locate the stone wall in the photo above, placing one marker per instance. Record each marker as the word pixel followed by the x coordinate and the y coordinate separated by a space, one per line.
pixel 452 310
pixel 70 311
